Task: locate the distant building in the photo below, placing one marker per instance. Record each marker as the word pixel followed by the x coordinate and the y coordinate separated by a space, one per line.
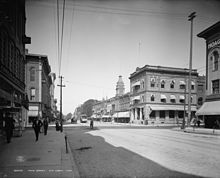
pixel 13 98
pixel 160 94
pixel 210 110
pixel 116 108
pixel 38 85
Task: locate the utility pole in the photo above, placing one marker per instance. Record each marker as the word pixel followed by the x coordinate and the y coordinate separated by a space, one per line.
pixel 190 18
pixel 61 115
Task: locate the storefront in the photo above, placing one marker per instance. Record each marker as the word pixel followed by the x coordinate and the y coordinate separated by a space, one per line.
pixel 210 110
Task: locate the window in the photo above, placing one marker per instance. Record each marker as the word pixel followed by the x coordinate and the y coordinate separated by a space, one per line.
pixel 172 99
pixel 172 84
pixel 192 87
pixel 162 114
pixel 200 101
pixel 32 94
pixel 182 85
pixel 182 99
pixel 142 84
pixel 152 98
pixel 171 114
pixel 152 82
pixel 32 74
pixel 142 98
pixel 163 98
pixel 215 87
pixel 180 114
pixel 162 85
pixel 216 58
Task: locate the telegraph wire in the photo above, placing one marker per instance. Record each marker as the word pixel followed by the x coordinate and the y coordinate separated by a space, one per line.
pixel 58 36
pixel 61 45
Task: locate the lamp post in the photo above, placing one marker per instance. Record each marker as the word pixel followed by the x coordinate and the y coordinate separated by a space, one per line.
pixel 190 18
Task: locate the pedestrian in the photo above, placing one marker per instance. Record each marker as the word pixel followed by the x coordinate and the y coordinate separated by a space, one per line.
pixel 57 126
pixel 9 126
pixel 37 124
pixel 198 122
pixel 45 123
pixel 91 123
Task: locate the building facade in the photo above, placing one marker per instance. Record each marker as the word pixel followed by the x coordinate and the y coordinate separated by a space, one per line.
pixel 12 60
pixel 116 108
pixel 210 109
pixel 161 94
pixel 38 85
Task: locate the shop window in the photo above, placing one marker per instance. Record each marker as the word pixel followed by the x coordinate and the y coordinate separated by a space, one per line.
pixel 180 114
pixel 162 114
pixel 171 114
pixel 215 87
pixel 153 114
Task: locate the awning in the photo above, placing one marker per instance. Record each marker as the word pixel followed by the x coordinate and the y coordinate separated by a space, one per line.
pixel 171 107
pixel 182 83
pixel 33 113
pixel 106 116
pixel 122 115
pixel 209 108
pixel 172 97
pixel 182 97
pixel 163 96
pixel 136 98
pixel 136 83
pixel 192 83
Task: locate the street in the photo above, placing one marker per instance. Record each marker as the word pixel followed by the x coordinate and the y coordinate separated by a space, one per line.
pixel 143 152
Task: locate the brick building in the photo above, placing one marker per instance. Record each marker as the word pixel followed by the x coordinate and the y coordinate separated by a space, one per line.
pixel 38 84
pixel 12 60
pixel 160 94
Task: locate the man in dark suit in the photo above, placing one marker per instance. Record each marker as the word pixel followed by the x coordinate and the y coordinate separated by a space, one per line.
pixel 37 124
pixel 9 126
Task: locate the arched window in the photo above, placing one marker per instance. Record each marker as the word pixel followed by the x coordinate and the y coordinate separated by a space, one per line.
pixel 152 98
pixel 172 84
pixel 162 84
pixel 32 74
pixel 216 58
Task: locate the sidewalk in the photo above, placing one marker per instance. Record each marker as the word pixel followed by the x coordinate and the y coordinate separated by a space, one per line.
pixel 25 158
pixel 199 130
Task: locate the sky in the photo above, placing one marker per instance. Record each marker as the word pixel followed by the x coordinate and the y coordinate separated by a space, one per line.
pixel 103 39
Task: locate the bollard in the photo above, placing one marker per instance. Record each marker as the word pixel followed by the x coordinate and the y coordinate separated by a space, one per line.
pixel 66 143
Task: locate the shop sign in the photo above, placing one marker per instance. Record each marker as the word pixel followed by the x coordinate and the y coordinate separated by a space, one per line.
pixel 214 43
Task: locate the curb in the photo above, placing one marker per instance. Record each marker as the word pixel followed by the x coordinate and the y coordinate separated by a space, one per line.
pixel 74 166
pixel 199 131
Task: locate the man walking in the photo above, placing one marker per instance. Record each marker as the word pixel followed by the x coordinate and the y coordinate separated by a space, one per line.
pixel 37 124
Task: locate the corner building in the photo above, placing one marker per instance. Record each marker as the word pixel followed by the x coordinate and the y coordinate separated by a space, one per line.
pixel 210 110
pixel 160 95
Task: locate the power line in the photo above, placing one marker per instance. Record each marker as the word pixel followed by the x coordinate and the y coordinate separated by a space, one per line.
pixel 61 46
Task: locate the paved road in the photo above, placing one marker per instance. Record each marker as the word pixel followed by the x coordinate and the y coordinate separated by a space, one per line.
pixel 125 152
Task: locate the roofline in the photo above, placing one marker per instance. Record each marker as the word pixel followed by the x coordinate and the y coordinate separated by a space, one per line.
pixel 207 30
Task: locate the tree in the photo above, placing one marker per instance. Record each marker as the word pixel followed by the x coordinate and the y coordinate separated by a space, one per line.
pixel 86 108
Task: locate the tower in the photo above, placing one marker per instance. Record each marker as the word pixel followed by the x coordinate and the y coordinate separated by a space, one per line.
pixel 120 87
